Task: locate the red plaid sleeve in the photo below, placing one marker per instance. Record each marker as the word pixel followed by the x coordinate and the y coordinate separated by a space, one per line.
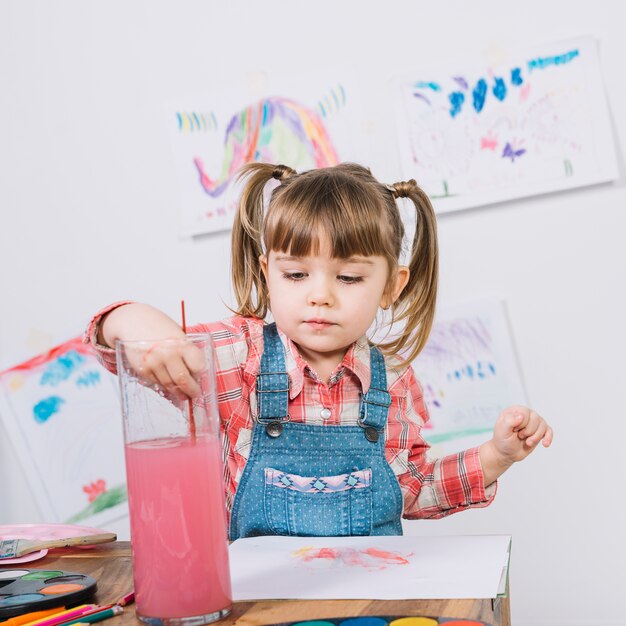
pixel 104 354
pixel 230 338
pixel 435 488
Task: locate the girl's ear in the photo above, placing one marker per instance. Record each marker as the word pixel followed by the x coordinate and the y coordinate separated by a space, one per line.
pixel 263 264
pixel 398 283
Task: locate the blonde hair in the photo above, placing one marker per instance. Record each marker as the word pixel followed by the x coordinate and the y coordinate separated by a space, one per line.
pixel 358 214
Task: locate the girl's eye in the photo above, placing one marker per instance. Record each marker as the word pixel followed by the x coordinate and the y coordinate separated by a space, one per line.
pixel 294 275
pixel 350 280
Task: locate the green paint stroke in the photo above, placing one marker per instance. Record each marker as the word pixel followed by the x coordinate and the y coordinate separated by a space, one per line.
pixel 446 192
pixel 457 434
pixel 110 498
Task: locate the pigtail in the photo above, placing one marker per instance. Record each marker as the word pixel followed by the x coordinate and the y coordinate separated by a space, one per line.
pixel 247 238
pixel 416 304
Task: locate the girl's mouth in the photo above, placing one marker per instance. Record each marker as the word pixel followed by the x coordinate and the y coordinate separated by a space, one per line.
pixel 319 324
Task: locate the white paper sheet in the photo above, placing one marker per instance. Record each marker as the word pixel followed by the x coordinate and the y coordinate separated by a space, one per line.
pixel 469 373
pixel 62 414
pixel 383 568
pixel 304 121
pixel 485 130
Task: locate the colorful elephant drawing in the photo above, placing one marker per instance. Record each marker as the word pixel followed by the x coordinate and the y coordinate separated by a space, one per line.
pixel 273 130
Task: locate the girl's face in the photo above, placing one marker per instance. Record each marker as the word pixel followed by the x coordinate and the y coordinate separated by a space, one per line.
pixel 324 304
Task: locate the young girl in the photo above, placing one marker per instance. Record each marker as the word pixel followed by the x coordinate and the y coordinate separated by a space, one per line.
pixel 321 428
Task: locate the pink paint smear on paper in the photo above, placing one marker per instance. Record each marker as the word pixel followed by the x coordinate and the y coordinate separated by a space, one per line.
pixel 369 558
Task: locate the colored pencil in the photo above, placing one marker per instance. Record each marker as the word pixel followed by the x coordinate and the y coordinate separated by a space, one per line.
pixel 18 620
pixel 129 598
pixel 96 616
pixel 96 609
pixel 63 616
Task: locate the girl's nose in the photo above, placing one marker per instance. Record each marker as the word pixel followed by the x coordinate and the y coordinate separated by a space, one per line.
pixel 321 294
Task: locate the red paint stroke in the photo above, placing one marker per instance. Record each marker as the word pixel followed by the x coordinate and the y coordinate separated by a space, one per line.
pixel 488 143
pixel 524 91
pixel 94 489
pixel 387 557
pixel 369 558
pixel 73 344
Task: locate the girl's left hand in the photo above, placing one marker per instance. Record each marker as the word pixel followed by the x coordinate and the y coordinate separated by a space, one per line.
pixel 517 432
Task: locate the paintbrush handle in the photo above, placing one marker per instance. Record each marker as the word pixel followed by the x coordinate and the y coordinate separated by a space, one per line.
pixel 84 540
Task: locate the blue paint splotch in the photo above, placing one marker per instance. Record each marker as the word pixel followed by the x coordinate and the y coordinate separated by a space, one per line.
pixel 456 102
pixel 473 372
pixel 46 408
pixel 88 379
pixel 516 76
pixel 422 84
pixel 478 94
pixel 62 368
pixel 499 89
pixel 540 63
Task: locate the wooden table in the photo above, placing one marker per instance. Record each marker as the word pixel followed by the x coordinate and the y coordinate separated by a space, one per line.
pixel 110 564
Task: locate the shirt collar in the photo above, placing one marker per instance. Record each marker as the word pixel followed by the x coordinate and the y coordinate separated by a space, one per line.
pixel 356 360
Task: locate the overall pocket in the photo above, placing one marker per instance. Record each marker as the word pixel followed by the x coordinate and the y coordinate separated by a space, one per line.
pixel 318 505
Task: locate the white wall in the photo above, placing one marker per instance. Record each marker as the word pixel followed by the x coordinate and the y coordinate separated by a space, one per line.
pixel 88 203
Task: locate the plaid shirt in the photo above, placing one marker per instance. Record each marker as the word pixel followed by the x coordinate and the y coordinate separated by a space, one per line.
pixel 431 488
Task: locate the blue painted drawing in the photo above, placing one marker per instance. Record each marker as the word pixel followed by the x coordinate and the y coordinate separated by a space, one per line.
pixel 469 373
pixel 486 132
pixel 61 411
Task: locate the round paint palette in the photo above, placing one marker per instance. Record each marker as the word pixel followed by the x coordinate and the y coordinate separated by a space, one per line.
pixel 388 620
pixel 25 590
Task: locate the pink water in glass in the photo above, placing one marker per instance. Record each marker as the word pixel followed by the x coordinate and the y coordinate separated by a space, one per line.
pixel 178 527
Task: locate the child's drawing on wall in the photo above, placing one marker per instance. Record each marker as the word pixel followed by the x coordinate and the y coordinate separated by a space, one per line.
pixel 304 124
pixel 469 373
pixel 60 411
pixel 483 132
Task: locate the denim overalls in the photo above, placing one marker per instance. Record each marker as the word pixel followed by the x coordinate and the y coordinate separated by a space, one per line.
pixel 315 480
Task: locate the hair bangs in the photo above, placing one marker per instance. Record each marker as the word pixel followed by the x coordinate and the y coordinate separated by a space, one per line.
pixel 348 218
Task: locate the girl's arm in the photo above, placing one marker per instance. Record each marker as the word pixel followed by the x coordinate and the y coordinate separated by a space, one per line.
pixel 171 365
pixel 135 322
pixel 516 433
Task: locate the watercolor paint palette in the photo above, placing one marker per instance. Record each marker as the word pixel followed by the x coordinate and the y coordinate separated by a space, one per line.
pixel 26 590
pixel 387 620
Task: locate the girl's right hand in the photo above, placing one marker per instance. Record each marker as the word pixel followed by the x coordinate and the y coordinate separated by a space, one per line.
pixel 174 366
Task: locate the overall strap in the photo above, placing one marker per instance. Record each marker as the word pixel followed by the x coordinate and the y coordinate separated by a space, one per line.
pixel 376 402
pixel 272 381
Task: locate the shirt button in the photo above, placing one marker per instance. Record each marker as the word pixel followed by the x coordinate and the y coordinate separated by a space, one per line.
pixel 325 414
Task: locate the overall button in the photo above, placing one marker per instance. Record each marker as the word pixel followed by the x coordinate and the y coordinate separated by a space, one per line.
pixel 325 414
pixel 371 434
pixel 274 429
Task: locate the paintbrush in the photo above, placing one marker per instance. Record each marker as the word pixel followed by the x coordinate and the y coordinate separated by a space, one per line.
pixel 13 548
pixel 192 421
